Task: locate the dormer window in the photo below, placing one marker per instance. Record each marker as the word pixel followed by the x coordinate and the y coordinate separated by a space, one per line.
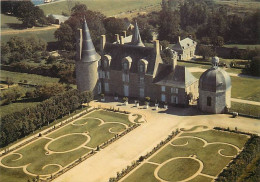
pixel 126 63
pixel 142 66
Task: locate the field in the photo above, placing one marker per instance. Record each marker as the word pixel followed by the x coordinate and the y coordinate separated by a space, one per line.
pixel 47 35
pixel 242 46
pixel 107 7
pixel 248 109
pixel 201 154
pixel 30 78
pixel 51 153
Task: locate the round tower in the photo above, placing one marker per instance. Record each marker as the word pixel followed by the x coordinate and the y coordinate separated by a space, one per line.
pixel 214 89
pixel 86 61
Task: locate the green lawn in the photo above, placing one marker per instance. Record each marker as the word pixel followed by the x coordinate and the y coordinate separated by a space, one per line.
pixel 107 7
pixel 47 35
pixel 41 163
pixel 6 20
pixel 178 156
pixel 10 108
pixel 31 78
pixel 241 46
pixel 248 109
pixel 173 170
pixel 245 88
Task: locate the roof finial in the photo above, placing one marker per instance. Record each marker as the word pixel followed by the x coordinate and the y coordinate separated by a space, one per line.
pixel 215 61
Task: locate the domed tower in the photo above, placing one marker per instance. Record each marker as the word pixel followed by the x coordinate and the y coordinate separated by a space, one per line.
pixel 86 61
pixel 214 89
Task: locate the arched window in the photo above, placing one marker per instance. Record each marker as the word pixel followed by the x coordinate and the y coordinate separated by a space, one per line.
pixel 105 63
pixel 208 101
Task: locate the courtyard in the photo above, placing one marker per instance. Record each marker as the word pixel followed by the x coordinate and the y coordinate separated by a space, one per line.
pixel 53 152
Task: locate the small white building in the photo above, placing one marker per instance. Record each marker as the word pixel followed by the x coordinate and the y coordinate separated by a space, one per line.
pixel 185 48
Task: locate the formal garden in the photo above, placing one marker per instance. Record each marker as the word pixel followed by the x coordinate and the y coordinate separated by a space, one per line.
pixel 198 154
pixel 66 146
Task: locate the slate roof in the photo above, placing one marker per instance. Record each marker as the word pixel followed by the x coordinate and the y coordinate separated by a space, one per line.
pixel 89 53
pixel 215 79
pixel 180 77
pixel 118 52
pixel 184 44
pixel 136 38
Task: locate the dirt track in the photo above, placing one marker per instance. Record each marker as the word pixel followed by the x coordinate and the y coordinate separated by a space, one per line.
pixel 10 32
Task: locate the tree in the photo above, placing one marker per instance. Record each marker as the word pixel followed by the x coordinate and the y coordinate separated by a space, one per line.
pixel 169 28
pixel 218 41
pixel 94 20
pixel 64 34
pixel 205 51
pixel 28 13
pixel 49 90
pixel 255 66
pixel 113 26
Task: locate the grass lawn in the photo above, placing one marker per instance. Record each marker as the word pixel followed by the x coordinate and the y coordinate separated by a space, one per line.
pixel 34 155
pixel 173 170
pixel 245 88
pixel 13 107
pixel 107 7
pixel 178 154
pixel 245 108
pixel 47 35
pixel 241 46
pixel 31 78
pixel 7 20
pixel 145 172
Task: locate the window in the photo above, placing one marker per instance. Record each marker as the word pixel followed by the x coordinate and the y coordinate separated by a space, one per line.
pixel 141 68
pixel 99 74
pixel 174 99
pixel 163 98
pixel 99 88
pixel 106 87
pixel 208 101
pixel 163 88
pixel 126 90
pixel 125 66
pixel 99 63
pixel 107 75
pixel 125 77
pixel 105 63
pixel 103 74
pixel 142 92
pixel 141 80
pixel 174 90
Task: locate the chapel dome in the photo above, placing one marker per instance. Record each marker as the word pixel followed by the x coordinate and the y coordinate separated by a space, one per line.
pixel 215 79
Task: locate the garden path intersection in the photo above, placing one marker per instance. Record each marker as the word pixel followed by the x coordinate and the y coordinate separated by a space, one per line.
pixel 160 123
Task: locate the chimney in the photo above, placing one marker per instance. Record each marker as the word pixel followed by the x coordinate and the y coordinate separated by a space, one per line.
pixel 102 42
pixel 122 40
pixel 124 33
pixel 79 44
pixel 157 46
pixel 179 38
pixel 117 38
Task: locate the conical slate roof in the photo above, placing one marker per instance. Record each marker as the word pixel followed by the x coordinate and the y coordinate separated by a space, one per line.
pixel 136 38
pixel 89 53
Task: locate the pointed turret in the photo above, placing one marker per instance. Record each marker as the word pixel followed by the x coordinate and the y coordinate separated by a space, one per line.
pixel 89 53
pixel 87 61
pixel 136 39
